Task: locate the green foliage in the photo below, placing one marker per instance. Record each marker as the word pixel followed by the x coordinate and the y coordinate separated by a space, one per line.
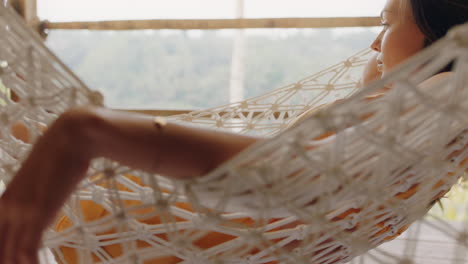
pixel 175 69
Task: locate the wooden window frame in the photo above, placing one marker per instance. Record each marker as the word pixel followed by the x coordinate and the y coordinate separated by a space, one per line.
pixel 28 10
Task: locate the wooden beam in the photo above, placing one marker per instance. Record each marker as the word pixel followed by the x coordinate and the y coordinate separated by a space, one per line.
pixel 156 112
pixel 326 22
pixel 178 112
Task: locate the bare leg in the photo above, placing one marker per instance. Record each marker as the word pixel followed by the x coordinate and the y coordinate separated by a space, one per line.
pixel 60 159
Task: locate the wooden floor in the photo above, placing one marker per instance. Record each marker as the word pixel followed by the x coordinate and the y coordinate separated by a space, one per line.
pixel 422 244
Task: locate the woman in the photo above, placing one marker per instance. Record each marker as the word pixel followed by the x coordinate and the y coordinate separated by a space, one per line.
pixel 82 134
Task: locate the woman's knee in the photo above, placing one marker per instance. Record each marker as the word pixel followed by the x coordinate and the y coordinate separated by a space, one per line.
pixel 79 125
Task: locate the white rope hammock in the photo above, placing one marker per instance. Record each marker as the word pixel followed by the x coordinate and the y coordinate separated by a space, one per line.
pixel 343 180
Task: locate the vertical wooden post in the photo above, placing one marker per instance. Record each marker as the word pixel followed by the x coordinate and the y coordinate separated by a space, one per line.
pixel 28 10
pixel 236 87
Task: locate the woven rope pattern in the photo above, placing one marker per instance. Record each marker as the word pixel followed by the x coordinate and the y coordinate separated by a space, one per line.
pixel 349 177
pixel 270 113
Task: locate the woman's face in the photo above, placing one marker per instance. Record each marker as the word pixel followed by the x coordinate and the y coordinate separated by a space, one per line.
pixel 400 37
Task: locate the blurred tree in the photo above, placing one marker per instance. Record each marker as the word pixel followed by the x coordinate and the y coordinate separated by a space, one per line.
pixel 175 69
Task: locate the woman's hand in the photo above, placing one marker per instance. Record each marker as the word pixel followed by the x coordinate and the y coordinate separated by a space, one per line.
pixel 370 72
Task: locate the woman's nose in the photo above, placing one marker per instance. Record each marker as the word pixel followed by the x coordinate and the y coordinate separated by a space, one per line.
pixel 375 45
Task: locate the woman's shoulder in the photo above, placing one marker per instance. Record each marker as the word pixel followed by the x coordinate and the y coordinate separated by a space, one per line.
pixel 436 79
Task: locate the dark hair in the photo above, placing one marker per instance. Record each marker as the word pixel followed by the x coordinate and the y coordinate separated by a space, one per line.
pixel 435 17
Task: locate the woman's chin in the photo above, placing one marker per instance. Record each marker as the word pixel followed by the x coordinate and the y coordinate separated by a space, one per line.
pixel 380 68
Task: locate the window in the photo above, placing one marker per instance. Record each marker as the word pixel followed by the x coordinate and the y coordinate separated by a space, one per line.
pixel 192 69
pixel 312 8
pixel 89 10
pixel 70 10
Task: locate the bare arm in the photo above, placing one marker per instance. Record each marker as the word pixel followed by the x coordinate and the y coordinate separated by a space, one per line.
pixel 60 158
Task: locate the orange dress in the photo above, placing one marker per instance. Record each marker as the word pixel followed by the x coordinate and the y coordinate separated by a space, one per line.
pixel 92 211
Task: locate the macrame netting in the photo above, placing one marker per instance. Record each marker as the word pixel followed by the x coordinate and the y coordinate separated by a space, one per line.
pixel 348 177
